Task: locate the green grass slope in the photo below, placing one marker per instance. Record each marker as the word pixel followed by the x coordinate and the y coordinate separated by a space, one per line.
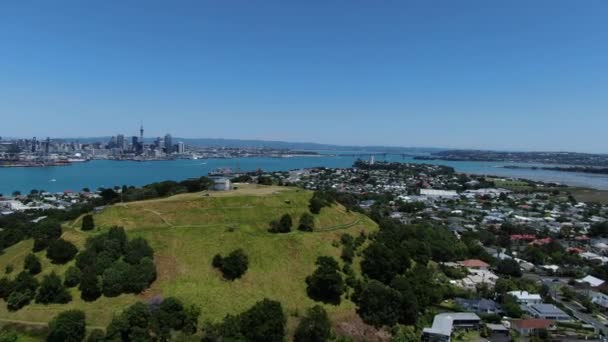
pixel 186 231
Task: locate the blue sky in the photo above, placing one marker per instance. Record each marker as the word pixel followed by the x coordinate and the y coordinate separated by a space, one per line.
pixel 521 75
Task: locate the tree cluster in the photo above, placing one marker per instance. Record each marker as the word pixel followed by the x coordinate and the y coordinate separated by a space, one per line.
pixel 156 320
pixel 400 301
pixel 263 322
pixel 20 291
pixel 232 266
pixel 350 246
pixel 111 265
pixel 396 292
pixel 155 190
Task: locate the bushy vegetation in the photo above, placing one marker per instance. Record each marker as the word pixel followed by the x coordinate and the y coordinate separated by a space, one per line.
pixel 509 267
pixel 326 283
pixel 87 222
pixel 32 264
pixel 111 265
pixel 232 266
pixel 61 251
pixel 307 223
pixel 155 190
pixel 18 226
pixel 140 321
pixel 68 326
pixel 52 290
pixel 283 225
pixel 397 292
pixel 314 326
pixel 20 291
pixel 263 322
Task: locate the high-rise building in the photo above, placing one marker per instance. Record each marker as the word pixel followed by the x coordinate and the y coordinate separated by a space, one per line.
pixel 181 147
pixel 120 141
pixel 134 144
pixel 168 144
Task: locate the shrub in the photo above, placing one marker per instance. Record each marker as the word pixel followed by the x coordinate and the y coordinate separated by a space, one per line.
pixel 32 264
pixel 307 223
pixel 315 326
pixel 61 251
pixel 282 226
pixel 88 223
pixel 6 287
pixel 234 265
pixel 72 276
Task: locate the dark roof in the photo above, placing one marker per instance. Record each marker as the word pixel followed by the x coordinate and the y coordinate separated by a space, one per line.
pixel 481 304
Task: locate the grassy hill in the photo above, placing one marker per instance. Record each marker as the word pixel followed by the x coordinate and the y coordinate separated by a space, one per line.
pixel 186 231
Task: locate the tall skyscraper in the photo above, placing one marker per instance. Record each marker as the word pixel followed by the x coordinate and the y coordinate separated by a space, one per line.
pixel 120 141
pixel 181 148
pixel 168 144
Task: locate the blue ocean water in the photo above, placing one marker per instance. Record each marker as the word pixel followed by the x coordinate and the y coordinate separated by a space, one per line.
pixel 105 173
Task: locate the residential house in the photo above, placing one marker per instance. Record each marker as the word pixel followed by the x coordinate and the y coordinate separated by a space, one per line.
pixel 475 264
pixel 548 311
pixel 445 323
pixel 526 298
pixel 480 305
pixel 527 327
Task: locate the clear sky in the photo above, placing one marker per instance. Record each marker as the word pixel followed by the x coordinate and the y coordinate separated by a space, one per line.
pixel 524 75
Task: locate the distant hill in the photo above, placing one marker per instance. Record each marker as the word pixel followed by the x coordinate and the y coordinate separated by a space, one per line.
pixel 219 142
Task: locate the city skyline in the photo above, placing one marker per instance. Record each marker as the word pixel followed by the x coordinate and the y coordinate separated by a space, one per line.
pixel 476 75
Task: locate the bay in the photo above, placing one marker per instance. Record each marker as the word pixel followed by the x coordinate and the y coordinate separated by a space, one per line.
pixel 106 173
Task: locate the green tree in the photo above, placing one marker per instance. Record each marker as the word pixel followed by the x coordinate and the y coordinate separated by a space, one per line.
pixel 90 287
pixel 509 267
pixel 315 326
pixel 68 326
pixel 61 251
pixel 141 276
pixel 32 264
pixel 326 283
pixel 264 322
pixel 52 290
pixel 192 313
pixel 18 299
pixel 138 249
pixel 72 276
pixel 307 223
pixel 116 278
pixel 234 265
pixel 6 287
pixel 379 305
pixel 87 222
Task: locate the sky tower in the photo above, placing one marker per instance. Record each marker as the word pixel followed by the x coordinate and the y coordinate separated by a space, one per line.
pixel 141 134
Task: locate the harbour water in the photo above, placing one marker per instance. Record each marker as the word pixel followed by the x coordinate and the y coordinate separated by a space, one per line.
pixel 105 173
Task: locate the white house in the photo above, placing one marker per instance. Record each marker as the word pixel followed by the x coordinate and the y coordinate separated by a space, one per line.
pixel 526 298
